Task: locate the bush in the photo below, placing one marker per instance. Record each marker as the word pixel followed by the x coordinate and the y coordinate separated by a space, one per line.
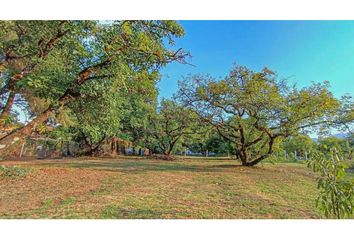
pixel 336 196
pixel 13 172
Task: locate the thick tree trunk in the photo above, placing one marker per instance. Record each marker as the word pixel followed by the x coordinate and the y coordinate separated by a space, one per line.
pixel 253 162
pixel 168 151
pixel 123 150
pixel 95 150
pixel 9 140
pixel 243 156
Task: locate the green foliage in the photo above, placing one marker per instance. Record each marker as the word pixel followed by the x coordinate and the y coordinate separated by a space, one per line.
pixel 302 144
pixel 217 144
pixel 169 126
pixel 252 109
pixel 86 72
pixel 341 145
pixel 207 139
pixel 336 197
pixel 137 108
pixel 345 117
pixel 13 171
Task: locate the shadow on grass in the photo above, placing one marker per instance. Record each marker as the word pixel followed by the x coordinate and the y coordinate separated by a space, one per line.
pixel 140 166
pixel 225 166
pixel 115 212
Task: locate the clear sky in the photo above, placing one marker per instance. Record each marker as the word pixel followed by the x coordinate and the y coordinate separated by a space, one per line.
pixel 303 51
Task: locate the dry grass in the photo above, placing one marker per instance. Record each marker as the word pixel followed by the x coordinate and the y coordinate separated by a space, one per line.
pixel 146 188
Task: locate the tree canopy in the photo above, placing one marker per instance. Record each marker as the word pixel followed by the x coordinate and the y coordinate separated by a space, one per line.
pixel 96 81
pixel 253 110
pixel 170 124
pixel 84 67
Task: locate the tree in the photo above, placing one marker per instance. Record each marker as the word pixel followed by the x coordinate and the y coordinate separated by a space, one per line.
pixel 345 118
pixel 139 105
pixel 253 110
pixel 198 142
pixel 113 53
pixel 24 45
pixel 301 144
pixel 341 145
pixel 170 124
pixel 218 144
pixel 97 117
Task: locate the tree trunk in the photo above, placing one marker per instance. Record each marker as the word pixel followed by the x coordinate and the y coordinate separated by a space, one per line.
pixel 113 148
pixel 68 96
pixel 243 156
pixel 167 152
pixel 9 140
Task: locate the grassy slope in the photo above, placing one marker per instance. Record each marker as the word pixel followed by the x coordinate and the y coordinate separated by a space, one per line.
pixel 141 188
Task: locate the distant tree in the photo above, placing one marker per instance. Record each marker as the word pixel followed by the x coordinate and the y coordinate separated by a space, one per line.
pixel 301 144
pixel 341 145
pixel 253 110
pixel 170 124
pixel 198 141
pixel 218 144
pixel 345 117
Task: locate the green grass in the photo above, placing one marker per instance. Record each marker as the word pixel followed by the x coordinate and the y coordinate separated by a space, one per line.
pixel 13 171
pixel 137 188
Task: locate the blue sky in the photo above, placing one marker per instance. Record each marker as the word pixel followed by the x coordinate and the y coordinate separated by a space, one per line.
pixel 302 51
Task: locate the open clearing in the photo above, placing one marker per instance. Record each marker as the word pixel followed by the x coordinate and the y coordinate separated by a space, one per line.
pixel 129 187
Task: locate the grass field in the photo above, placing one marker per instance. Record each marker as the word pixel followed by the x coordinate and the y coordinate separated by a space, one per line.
pixel 144 188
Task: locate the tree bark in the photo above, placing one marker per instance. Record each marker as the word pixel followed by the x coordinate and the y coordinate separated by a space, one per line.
pixel 262 157
pixel 9 140
pixel 113 147
pixel 68 96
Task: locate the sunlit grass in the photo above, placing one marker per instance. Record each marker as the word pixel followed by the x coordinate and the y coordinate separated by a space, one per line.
pixel 145 188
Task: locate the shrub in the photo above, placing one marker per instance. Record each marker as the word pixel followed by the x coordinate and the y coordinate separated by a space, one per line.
pixel 336 196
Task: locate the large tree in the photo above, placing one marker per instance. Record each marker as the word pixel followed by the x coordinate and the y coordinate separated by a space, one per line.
pixel 24 45
pixel 139 106
pixel 253 110
pixel 74 56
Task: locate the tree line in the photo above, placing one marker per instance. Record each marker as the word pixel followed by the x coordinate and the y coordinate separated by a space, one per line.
pixel 90 81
